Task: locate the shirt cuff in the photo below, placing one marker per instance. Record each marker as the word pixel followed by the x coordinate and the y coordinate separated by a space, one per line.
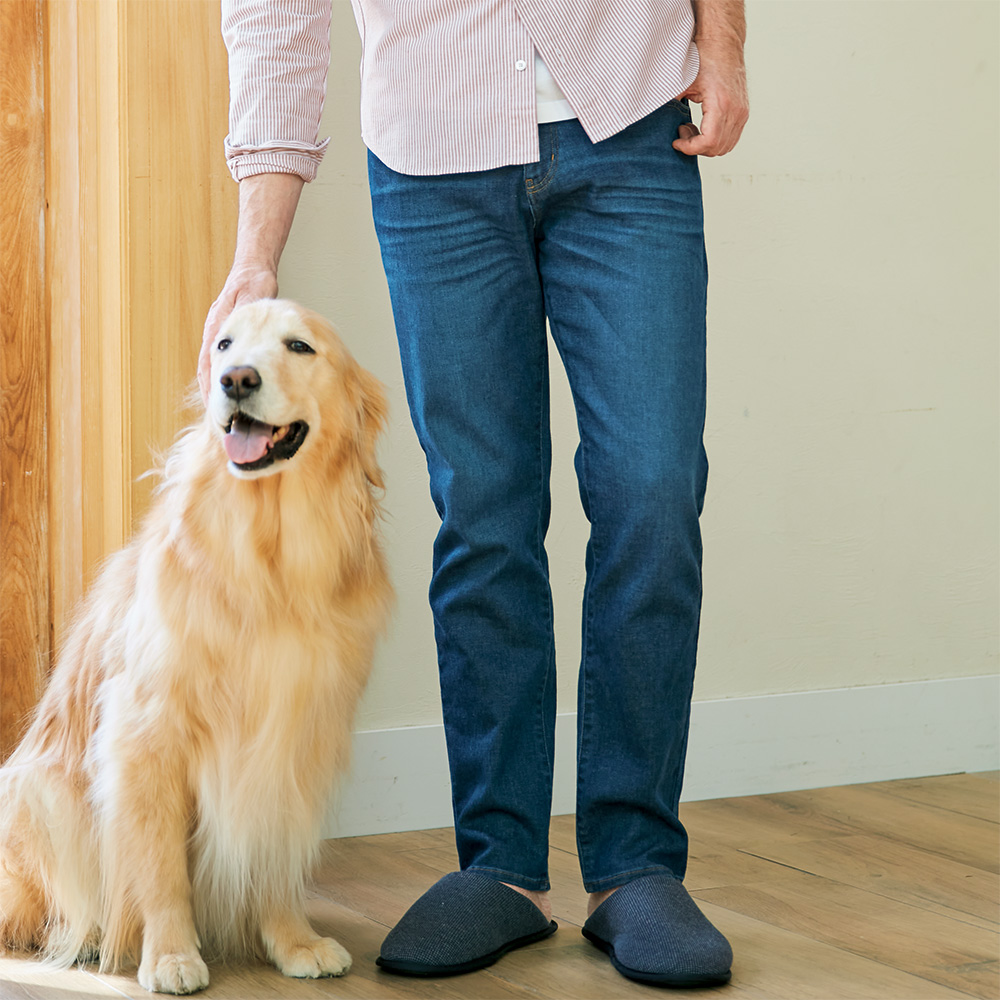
pixel 286 157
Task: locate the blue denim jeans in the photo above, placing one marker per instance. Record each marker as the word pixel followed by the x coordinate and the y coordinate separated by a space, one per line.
pixel 605 241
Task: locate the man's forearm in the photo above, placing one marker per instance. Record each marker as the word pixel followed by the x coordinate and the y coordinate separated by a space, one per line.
pixel 721 22
pixel 267 209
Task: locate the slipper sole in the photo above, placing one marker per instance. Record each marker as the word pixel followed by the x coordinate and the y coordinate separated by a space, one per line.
pixel 677 980
pixel 405 968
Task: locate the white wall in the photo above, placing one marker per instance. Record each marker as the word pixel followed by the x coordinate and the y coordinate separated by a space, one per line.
pixel 851 530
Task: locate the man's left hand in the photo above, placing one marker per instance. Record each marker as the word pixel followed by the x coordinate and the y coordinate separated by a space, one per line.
pixel 721 89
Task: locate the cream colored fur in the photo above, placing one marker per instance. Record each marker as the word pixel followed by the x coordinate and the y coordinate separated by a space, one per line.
pixel 171 787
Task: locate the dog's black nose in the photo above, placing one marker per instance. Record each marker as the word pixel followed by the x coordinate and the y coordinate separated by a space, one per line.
pixel 239 382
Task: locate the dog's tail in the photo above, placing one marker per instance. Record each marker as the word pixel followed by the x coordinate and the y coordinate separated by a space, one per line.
pixel 23 913
pixel 49 883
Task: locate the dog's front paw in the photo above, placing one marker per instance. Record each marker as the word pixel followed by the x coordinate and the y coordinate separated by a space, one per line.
pixel 319 957
pixel 179 973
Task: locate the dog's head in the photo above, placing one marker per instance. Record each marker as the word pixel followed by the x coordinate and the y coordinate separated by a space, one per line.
pixel 285 391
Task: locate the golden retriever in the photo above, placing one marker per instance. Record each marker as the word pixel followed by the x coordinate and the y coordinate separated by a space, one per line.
pixel 169 793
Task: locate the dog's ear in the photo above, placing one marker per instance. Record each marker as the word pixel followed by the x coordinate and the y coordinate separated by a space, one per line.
pixel 366 395
pixel 372 414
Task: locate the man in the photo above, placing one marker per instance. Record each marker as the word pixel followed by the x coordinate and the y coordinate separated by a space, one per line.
pixel 532 161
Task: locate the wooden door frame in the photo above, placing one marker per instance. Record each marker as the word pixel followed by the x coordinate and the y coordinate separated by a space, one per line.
pixel 24 545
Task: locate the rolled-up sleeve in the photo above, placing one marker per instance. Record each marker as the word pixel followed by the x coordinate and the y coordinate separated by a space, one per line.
pixel 279 55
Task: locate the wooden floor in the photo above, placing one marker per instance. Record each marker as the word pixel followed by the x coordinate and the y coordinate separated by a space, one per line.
pixel 884 890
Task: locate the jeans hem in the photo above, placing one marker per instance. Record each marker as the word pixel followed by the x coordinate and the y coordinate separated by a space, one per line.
pixel 623 878
pixel 512 878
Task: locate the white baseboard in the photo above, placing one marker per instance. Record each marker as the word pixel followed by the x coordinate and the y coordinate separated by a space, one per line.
pixel 738 746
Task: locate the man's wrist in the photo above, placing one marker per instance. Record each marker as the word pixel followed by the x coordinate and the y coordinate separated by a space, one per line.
pixel 719 24
pixel 720 46
pixel 249 264
pixel 721 51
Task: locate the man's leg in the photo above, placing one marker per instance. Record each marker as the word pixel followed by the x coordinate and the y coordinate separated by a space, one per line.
pixel 460 261
pixel 623 267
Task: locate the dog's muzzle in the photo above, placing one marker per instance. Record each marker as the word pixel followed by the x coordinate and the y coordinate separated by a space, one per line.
pixel 252 444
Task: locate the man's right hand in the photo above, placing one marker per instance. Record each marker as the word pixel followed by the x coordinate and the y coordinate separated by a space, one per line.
pixel 244 284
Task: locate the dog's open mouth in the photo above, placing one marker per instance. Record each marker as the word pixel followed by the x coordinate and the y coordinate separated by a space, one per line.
pixel 252 445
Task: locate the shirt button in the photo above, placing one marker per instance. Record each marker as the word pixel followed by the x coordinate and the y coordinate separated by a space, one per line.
pixel 520 65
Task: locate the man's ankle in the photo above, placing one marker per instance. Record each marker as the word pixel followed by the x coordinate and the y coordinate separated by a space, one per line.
pixel 539 897
pixel 596 898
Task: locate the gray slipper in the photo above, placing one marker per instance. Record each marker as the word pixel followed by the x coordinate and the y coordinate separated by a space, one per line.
pixel 653 931
pixel 464 922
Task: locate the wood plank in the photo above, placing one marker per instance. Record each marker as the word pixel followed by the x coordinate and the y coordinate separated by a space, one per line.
pixel 29 979
pixel 24 592
pixel 946 951
pixel 740 821
pixel 711 867
pixel 962 793
pixel 772 963
pixel 887 867
pixel 965 839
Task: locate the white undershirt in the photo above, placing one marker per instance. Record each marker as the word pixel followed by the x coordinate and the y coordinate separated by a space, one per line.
pixel 549 99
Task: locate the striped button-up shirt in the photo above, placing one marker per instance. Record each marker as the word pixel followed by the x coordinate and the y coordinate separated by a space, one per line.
pixel 447 85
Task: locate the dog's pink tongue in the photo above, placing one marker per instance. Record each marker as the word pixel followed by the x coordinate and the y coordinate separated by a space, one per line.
pixel 247 441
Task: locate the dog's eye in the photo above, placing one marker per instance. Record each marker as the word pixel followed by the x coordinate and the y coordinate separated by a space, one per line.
pixel 299 347
pixel 223 344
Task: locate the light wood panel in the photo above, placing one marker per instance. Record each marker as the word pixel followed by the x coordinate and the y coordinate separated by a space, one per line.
pixel 24 603
pixel 64 294
pixel 829 906
pixel 141 227
pixel 86 278
pixel 182 212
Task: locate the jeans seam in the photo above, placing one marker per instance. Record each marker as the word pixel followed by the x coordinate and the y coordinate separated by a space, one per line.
pixel 582 833
pixel 539 553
